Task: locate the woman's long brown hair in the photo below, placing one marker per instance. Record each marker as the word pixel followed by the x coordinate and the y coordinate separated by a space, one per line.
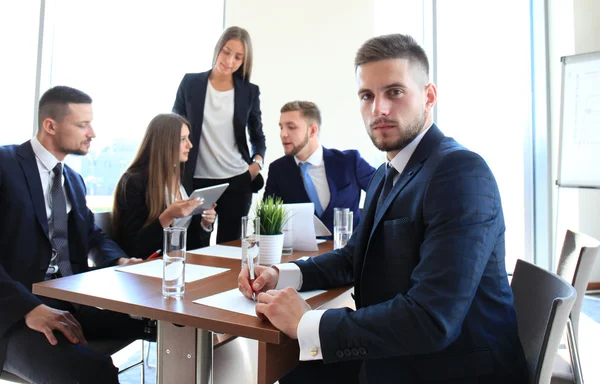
pixel 157 160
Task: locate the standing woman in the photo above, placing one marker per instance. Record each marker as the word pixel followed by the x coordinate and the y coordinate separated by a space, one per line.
pixel 220 104
pixel 150 197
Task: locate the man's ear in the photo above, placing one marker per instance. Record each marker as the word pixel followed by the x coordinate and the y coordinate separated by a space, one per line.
pixel 430 96
pixel 49 126
pixel 314 130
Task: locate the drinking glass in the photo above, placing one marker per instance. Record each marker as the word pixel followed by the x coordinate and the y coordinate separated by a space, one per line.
pixel 250 243
pixel 342 226
pixel 173 284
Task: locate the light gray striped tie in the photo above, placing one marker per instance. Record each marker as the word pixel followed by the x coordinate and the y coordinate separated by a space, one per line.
pixel 60 222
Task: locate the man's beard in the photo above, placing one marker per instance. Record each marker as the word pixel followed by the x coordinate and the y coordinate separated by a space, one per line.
pixel 407 134
pixel 298 148
pixel 73 151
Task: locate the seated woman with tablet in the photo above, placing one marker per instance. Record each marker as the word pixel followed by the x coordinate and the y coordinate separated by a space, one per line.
pixel 149 196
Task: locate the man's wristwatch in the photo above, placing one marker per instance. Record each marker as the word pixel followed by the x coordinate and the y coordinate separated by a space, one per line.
pixel 259 162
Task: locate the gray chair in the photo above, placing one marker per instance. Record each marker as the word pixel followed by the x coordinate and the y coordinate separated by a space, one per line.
pixel 543 302
pixel 577 257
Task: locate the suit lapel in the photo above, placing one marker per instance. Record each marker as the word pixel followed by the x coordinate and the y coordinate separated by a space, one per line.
pixel 367 220
pixel 240 104
pixel 32 176
pixel 332 179
pixel 294 183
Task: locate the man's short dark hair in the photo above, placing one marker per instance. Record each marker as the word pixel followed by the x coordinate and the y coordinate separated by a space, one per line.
pixel 54 103
pixel 395 46
pixel 308 110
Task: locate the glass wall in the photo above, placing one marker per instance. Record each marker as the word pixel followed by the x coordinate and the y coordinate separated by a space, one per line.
pixel 129 56
pixel 482 68
pixel 19 28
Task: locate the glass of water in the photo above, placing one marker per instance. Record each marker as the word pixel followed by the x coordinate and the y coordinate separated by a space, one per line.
pixel 343 219
pixel 288 236
pixel 250 243
pixel 173 284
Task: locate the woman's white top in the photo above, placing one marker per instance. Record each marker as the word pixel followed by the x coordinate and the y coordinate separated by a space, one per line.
pixel 184 221
pixel 218 153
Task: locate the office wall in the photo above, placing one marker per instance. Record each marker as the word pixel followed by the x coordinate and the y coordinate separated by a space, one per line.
pixel 305 50
pixel 586 15
pixel 572 30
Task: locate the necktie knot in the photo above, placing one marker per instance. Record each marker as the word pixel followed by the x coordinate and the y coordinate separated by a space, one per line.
pixel 57 169
pixel 304 167
pixel 390 172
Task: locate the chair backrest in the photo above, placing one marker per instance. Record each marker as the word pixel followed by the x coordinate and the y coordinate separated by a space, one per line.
pixel 578 255
pixel 104 221
pixel 543 301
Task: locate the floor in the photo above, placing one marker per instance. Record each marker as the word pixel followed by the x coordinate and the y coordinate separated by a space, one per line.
pixel 589 340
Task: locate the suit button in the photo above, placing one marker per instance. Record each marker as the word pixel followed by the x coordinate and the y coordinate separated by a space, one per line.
pixel 339 354
pixel 347 352
pixel 354 351
pixel 362 351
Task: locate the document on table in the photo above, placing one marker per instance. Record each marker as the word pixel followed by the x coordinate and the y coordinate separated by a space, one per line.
pixel 218 250
pixel 234 301
pixel 154 268
pixel 303 226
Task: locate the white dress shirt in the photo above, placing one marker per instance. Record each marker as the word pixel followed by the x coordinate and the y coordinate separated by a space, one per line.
pixel 218 153
pixel 46 163
pixel 291 276
pixel 318 175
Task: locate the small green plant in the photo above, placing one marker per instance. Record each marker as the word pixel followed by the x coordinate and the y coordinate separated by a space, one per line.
pixel 272 215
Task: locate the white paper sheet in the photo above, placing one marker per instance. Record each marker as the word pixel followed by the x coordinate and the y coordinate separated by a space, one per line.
pixel 234 301
pixel 303 227
pixel 320 228
pixel 154 268
pixel 226 251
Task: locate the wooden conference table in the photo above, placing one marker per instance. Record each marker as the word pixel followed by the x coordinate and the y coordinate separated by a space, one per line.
pixel 185 329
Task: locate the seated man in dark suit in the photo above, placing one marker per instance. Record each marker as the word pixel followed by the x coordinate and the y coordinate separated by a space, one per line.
pixel 46 231
pixel 310 172
pixel 433 303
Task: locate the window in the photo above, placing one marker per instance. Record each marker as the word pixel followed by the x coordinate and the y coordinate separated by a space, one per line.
pixel 129 57
pixel 482 69
pixel 19 25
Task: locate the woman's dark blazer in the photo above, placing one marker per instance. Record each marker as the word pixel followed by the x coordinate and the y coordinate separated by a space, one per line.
pixel 137 240
pixel 189 103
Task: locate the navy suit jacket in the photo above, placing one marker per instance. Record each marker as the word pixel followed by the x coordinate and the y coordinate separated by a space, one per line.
pixel 189 103
pixel 430 284
pixel 25 247
pixel 347 174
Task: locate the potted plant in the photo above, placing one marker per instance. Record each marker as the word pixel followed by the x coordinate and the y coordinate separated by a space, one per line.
pixel 272 216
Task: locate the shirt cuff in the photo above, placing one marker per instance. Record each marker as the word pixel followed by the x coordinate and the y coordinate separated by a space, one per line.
pixel 206 229
pixel 289 276
pixel 308 335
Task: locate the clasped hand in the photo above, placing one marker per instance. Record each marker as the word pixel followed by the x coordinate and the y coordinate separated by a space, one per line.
pixel 283 308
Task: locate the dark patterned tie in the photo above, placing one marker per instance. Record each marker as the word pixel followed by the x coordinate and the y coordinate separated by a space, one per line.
pixel 60 223
pixel 390 173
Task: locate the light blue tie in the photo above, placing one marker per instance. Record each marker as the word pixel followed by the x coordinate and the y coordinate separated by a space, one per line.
pixel 311 190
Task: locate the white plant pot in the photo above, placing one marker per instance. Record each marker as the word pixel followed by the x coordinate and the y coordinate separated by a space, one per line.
pixel 270 249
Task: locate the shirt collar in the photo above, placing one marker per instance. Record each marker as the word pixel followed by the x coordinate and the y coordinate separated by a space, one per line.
pixel 316 159
pixel 401 159
pixel 44 156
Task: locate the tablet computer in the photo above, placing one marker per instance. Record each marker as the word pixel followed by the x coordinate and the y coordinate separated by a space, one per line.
pixel 210 196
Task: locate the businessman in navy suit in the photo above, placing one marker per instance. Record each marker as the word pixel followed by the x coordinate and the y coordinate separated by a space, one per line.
pixel 337 177
pixel 433 303
pixel 46 231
